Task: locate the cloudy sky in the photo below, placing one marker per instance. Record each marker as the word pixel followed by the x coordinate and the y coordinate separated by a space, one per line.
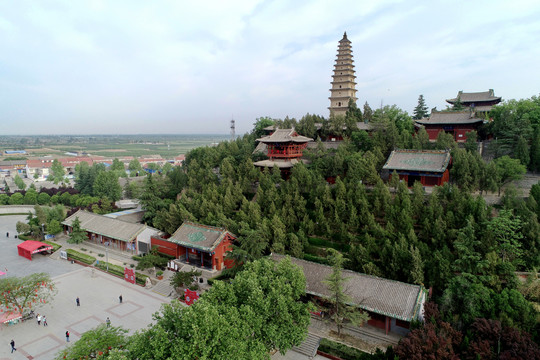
pixel 185 67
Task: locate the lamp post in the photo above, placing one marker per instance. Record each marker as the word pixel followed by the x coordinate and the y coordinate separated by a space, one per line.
pixel 107 258
pixel 43 231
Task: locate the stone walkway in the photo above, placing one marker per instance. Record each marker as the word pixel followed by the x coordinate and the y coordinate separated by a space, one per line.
pixel 98 293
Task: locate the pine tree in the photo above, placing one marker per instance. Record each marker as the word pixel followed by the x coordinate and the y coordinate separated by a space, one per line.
pixel 458 105
pixel 368 113
pixel 421 110
pixel 77 234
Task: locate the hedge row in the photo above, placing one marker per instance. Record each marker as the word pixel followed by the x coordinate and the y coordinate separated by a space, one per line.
pixel 316 259
pixel 219 277
pixel 342 351
pixel 119 271
pixel 328 244
pixel 53 244
pixel 75 255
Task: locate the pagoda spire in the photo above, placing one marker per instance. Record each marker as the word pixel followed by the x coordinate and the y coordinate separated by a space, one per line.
pixel 343 80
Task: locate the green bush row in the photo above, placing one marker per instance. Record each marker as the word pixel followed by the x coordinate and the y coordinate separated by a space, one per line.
pixel 329 244
pixel 342 351
pixel 53 244
pixel 119 271
pixel 316 259
pixel 75 255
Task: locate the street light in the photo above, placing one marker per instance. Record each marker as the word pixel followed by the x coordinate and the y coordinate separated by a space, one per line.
pixel 43 231
pixel 107 258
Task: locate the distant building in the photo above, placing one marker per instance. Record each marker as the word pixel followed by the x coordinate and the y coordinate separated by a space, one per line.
pixel 456 123
pixel 480 102
pixel 343 81
pixel 15 152
pixel 429 167
pixel 199 245
pixel 284 149
pixel 113 233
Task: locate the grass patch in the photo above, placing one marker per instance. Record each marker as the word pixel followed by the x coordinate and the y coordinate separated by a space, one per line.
pixel 25 237
pixel 75 255
pixel 10 214
pixel 221 276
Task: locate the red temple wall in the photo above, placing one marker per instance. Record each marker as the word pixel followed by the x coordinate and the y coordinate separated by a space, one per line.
pixel 166 247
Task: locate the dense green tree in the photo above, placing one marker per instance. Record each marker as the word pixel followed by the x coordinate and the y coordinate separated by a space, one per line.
pixel 458 105
pixel 77 235
pixel 340 311
pixel 96 343
pixel 117 165
pixel 106 185
pixel 259 311
pixel 421 110
pixel 184 278
pixel 367 113
pixel 57 172
pixel 135 167
pixel 19 182
pixel 508 170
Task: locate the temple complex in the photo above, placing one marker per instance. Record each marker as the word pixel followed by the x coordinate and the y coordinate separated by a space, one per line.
pixel 429 167
pixel 343 80
pixel 284 148
pixel 477 101
pixel 457 123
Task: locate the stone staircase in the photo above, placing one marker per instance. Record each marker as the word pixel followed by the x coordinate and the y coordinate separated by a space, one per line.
pixel 163 287
pixel 309 346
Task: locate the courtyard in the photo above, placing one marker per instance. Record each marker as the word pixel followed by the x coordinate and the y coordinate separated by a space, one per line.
pixel 98 293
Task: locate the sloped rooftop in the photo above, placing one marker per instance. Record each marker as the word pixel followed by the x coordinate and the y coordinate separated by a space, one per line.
pixel 418 160
pixel 199 236
pixel 382 296
pixel 284 135
pixel 474 97
pixel 450 117
pixel 105 226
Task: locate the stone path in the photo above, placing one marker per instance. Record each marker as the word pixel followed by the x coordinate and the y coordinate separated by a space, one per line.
pixel 98 293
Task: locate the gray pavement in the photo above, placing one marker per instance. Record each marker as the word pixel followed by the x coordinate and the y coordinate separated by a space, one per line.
pixel 19 266
pixel 98 293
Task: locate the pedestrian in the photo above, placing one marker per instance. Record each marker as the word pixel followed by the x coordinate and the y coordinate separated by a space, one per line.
pixel 108 321
pixel 78 301
pixel 12 343
pixel 44 319
pixel 38 319
pixel 7 234
pixel 67 336
pixel 120 298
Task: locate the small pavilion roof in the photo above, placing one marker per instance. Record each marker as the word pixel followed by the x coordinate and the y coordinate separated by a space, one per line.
pixel 382 296
pixel 198 236
pixel 32 245
pixel 450 117
pixel 418 160
pixel 284 136
pixel 106 226
pixel 475 97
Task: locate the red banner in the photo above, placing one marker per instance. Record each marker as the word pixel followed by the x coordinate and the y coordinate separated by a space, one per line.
pixel 129 275
pixel 190 296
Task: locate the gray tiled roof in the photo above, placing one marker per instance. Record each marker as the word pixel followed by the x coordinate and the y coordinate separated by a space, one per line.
pixel 285 135
pixel 450 117
pixel 105 226
pixel 199 236
pixel 418 160
pixel 474 97
pixel 382 296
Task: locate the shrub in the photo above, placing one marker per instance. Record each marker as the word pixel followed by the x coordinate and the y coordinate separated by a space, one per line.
pixel 75 255
pixel 348 353
pixel 152 260
pixel 53 244
pixel 316 259
pixel 119 271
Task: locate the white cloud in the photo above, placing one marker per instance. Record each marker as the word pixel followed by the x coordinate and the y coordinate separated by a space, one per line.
pixel 97 66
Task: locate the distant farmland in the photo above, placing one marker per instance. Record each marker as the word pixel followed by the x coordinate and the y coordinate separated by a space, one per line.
pixel 168 146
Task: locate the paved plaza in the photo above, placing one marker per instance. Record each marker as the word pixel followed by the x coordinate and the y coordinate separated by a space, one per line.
pixel 98 293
